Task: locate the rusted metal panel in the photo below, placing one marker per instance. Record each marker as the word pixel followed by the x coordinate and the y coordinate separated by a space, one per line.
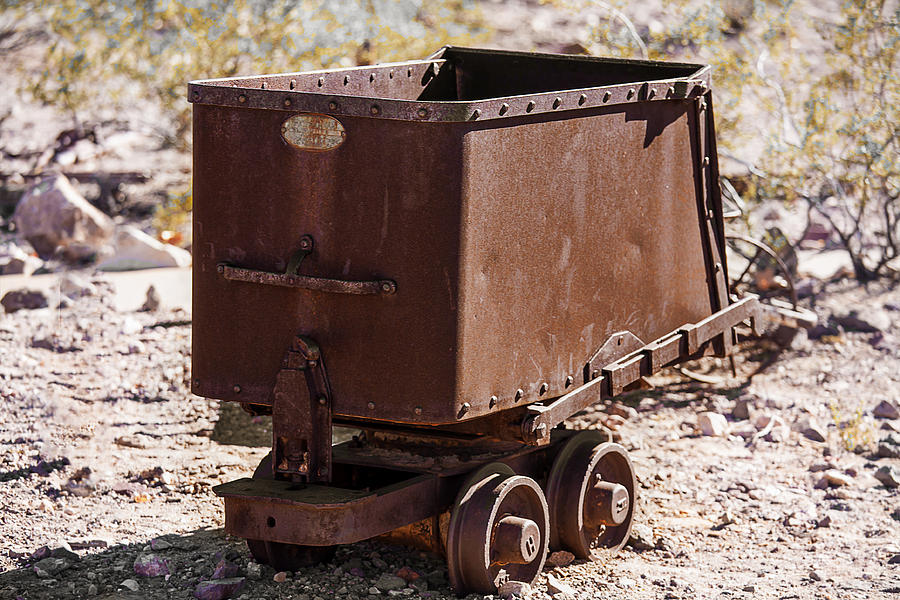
pixel 516 242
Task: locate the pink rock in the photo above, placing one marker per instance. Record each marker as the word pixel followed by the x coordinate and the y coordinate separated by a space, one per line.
pixel 219 589
pixel 225 570
pixel 151 565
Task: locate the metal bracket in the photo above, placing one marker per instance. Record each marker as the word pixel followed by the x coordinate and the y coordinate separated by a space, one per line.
pixel 301 415
pixel 540 418
pixel 619 344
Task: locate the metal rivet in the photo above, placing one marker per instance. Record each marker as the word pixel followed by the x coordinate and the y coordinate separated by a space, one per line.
pixel 391 74
pixel 582 99
pixel 702 104
pixel 321 81
pixel 371 77
pixel 569 380
pixel 220 268
pixel 409 72
pixel 503 108
pixel 630 93
pixel 557 102
pixel 236 389
pixel 595 373
pixel 196 95
pixel 242 98
pixel 371 405
pixel 293 83
pixel 493 402
pixel 606 96
pixel 332 105
pixel 519 394
pixel 671 90
pixel 464 408
pixel 418 410
pixel 388 287
pixel 705 161
pixel 476 113
pixel 375 109
pixel 651 93
pixel 312 363
pixel 263 85
pixel 323 400
pixel 544 388
pixel 530 106
pixel 287 101
pixel 346 79
pixel 422 112
pixel 718 267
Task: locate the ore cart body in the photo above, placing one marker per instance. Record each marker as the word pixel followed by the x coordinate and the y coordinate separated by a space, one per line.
pixel 453 255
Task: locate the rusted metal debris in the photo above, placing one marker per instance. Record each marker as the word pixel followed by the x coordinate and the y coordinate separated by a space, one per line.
pixel 501 240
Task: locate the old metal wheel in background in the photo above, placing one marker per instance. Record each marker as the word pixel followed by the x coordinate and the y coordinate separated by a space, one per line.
pixel 591 494
pixel 278 555
pixel 499 528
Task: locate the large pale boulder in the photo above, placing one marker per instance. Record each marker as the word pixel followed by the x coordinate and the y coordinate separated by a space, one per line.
pixel 54 217
pixel 134 249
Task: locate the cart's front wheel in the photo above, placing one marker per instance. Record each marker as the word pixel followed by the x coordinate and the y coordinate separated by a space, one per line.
pixel 281 556
pixel 591 493
pixel 498 531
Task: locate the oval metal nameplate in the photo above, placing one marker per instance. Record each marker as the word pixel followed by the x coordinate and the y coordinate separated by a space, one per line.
pixel 313 132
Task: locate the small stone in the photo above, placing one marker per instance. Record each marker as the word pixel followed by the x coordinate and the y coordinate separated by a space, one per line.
pixel 824 522
pixel 225 570
pixel 555 586
pixel 280 577
pixel 748 588
pixel 388 582
pixel 894 560
pixel 889 476
pixel 815 576
pixel 72 286
pixel 886 410
pixel 814 432
pixel 741 410
pixel 560 558
pixel 726 518
pixel 50 566
pixel 896 514
pixel 152 300
pixel 622 410
pixel 159 544
pixel 137 250
pixel 712 424
pixel 219 589
pixel 151 565
pixel 373 591
pixel 92 590
pixel 45 505
pixel 514 589
pixel 23 300
pixel 130 584
pixel 641 537
pixel 836 478
pixel 254 570
pixel 408 575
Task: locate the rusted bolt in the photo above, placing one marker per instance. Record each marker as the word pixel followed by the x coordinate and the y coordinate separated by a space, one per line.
pixel 321 81
pixel 702 104
pixel 492 402
pixel 323 400
pixel 519 394
pixel 476 113
pixel 346 79
pixel 651 93
pixel 418 410
pixel 595 373
pixel 582 99
pixel 263 85
pixel 705 161
pixel 236 389
pixel 671 90
pixel 196 95
pixel 293 84
pixel 540 431
pixel 544 387
pixel 464 408
pixel 287 101
pixel 718 267
pixel 569 380
pixel 557 102
pixel 375 109
pixel 312 363
pixel 630 93
pixel 220 268
pixel 388 287
pixel 371 77
pixel 503 108
pixel 242 98
pixel 606 96
pixel 422 112
pixel 305 242
pixel 332 105
pixel 371 405
pixel 409 72
pixel 530 106
pixel 391 74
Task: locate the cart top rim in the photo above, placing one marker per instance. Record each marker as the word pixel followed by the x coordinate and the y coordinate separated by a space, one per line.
pixel 361 91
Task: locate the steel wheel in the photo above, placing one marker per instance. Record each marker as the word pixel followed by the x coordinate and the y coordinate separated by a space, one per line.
pixel 280 556
pixel 498 531
pixel 591 493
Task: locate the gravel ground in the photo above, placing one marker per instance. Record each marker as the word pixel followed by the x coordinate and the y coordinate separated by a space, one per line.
pixel 107 460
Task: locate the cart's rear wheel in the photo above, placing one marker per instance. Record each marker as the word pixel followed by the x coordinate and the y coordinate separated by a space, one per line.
pixel 591 493
pixel 498 531
pixel 280 556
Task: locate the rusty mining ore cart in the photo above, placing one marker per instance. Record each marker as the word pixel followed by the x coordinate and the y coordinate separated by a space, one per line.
pixel 452 255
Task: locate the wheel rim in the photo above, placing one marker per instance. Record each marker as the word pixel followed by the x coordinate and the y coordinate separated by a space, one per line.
pixel 589 482
pixel 498 531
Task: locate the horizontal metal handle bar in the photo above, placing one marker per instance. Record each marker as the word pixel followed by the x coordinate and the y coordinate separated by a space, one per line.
pixel 384 287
